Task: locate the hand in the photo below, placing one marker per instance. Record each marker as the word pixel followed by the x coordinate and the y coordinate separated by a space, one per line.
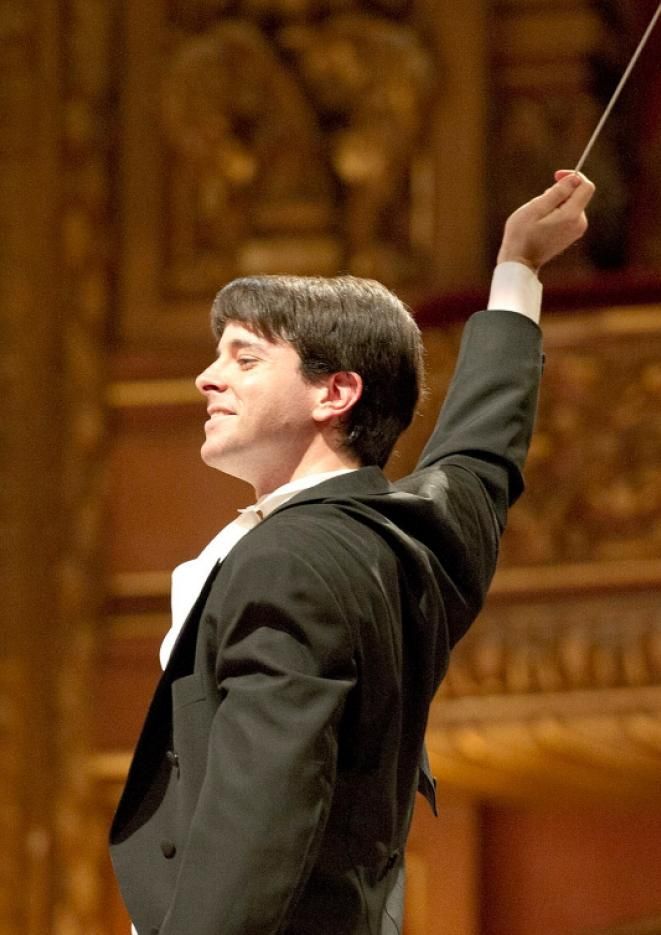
pixel 547 225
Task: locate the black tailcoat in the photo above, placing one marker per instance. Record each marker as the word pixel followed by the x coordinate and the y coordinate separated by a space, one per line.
pixel 272 786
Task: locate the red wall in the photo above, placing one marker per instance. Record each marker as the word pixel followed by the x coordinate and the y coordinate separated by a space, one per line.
pixel 566 871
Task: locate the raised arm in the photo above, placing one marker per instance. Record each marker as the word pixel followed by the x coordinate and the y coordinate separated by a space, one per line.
pixel 488 412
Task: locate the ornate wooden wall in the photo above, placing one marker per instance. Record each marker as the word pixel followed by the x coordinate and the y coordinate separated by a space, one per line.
pixel 151 150
pixel 54 274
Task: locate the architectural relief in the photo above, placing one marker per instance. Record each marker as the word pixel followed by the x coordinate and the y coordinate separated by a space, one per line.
pixel 594 475
pixel 565 645
pixel 554 70
pixel 292 132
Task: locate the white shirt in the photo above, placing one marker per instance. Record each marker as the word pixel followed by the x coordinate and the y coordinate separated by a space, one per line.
pixel 188 578
pixel 514 287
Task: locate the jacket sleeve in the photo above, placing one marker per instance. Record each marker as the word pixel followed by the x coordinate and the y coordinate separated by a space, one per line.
pixel 284 667
pixel 488 414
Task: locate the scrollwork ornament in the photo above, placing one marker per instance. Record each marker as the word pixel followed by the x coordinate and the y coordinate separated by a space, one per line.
pixel 350 88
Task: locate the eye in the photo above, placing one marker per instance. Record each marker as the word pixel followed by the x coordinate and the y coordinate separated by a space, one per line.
pixel 245 361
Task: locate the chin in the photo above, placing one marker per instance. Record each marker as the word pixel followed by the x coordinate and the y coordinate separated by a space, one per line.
pixel 220 461
pixel 212 458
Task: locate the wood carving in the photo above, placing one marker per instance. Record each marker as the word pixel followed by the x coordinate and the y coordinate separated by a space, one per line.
pixel 549 96
pixel 370 80
pixel 291 147
pixel 594 476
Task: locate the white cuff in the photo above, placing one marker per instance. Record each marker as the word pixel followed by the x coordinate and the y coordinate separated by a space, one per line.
pixel 515 288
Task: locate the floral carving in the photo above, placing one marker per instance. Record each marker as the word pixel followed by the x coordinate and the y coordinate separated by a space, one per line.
pixel 594 475
pixel 292 142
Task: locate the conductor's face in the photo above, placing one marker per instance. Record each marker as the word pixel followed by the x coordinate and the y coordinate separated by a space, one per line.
pixel 260 409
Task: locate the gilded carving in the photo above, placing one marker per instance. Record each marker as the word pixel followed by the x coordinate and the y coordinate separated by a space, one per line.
pixel 292 143
pixel 560 646
pixel 554 70
pixel 594 475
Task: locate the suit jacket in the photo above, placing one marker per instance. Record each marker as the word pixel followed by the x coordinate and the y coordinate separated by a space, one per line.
pixel 272 786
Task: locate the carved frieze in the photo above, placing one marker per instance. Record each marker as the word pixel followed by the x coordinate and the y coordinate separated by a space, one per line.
pixel 291 132
pixel 572 644
pixel 594 473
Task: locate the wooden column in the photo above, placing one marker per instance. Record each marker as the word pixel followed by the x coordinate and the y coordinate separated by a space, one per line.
pixel 53 303
pixel 31 460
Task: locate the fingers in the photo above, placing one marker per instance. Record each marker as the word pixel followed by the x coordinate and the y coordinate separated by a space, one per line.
pixel 572 192
pixel 582 194
pixel 550 223
pixel 584 183
pixel 555 196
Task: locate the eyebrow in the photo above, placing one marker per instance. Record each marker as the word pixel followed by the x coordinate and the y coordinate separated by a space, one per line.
pixel 239 344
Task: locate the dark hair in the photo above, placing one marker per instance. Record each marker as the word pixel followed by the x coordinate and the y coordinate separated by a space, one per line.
pixel 340 324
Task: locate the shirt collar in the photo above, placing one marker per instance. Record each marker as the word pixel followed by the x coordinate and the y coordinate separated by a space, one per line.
pixel 271 501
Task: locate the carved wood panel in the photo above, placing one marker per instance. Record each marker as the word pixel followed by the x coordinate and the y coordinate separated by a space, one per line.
pixel 555 67
pixel 301 138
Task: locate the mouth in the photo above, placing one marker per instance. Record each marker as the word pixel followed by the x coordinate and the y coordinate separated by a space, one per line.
pixel 217 414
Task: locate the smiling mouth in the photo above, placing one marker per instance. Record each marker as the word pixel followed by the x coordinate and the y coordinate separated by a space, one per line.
pixel 218 415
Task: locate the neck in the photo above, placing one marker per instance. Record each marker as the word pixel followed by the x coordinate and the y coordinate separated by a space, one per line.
pixel 313 462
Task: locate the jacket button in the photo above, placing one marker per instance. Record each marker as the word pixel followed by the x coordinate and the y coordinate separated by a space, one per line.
pixel 168 849
pixel 173 759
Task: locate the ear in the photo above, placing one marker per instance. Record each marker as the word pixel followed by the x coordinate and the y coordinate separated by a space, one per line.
pixel 337 395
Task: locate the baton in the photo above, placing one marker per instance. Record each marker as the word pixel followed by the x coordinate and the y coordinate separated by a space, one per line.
pixel 618 89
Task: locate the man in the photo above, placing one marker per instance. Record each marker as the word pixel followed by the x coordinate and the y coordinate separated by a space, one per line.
pixel 273 784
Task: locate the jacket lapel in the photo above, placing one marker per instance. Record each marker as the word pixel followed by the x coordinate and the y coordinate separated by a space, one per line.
pixel 363 482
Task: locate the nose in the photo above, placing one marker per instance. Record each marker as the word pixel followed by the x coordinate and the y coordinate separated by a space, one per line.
pixel 210 380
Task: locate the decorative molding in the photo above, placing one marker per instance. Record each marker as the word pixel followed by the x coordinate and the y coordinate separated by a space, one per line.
pixel 562 644
pixel 586 758
pixel 131 394
pixel 140 584
pixel 510 585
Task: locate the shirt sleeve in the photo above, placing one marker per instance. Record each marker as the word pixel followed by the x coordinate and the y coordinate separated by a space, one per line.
pixel 515 288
